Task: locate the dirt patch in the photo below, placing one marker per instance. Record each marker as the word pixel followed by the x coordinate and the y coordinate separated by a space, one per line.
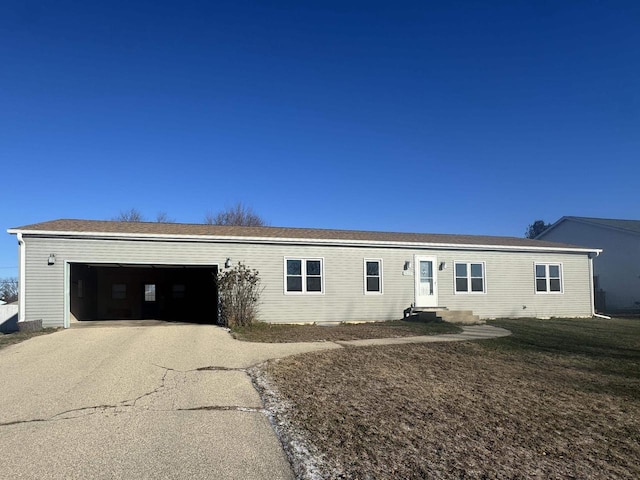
pixel 507 408
pixel 17 337
pixel 264 332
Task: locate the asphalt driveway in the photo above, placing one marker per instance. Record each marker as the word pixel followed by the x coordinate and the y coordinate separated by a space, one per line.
pixel 157 401
pixel 170 401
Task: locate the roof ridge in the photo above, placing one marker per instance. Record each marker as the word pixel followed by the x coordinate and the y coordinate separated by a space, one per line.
pixel 273 227
pixel 603 218
pixel 291 235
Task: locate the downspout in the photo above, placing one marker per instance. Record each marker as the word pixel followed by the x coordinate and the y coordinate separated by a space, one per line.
pixel 592 285
pixel 22 257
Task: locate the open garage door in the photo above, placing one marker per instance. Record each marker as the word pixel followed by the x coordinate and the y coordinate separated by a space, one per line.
pixel 181 293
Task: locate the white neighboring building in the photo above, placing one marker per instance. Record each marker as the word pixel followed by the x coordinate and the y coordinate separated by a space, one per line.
pixel 8 317
pixel 617 269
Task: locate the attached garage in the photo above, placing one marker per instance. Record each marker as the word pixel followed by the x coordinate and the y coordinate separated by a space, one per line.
pixel 130 291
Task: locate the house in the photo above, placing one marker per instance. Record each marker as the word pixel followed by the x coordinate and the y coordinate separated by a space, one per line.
pixel 87 270
pixel 617 270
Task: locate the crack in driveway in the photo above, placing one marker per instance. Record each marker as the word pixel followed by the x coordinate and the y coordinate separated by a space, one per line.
pixel 225 408
pixel 220 369
pixel 132 403
pixel 152 392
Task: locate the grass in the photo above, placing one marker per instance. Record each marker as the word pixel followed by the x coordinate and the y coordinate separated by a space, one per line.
pixel 557 399
pixel 7 339
pixel 263 332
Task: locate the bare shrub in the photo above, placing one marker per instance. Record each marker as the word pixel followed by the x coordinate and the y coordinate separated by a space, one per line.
pixel 239 292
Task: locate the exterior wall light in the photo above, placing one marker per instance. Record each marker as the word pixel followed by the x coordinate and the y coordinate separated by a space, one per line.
pixel 52 259
pixel 443 265
pixel 407 265
pixel 227 263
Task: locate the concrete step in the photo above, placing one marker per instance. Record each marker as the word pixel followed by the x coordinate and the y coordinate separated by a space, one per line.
pixel 461 317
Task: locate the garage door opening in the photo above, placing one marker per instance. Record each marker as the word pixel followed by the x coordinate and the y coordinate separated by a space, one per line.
pixel 140 292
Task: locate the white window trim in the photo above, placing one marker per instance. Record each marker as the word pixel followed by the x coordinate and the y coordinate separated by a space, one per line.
pixel 468 264
pixel 304 275
pixel 548 278
pixel 364 264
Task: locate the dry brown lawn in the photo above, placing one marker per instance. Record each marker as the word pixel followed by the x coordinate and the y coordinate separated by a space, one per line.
pixel 558 399
pixel 265 332
pixel 7 339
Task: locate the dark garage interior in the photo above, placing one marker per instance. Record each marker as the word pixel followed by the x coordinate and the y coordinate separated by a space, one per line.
pixel 138 292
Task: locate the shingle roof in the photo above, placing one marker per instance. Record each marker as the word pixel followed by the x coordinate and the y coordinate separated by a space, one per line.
pixel 628 225
pixel 144 229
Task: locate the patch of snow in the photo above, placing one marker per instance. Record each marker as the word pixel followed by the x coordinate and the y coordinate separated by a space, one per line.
pixel 306 460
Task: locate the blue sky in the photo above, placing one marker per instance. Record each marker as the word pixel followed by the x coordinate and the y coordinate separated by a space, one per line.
pixel 452 116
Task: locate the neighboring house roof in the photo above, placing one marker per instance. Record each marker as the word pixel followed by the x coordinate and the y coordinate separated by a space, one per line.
pixel 202 232
pixel 629 226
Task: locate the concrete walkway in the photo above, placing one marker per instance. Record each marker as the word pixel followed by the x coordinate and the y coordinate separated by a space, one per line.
pixel 469 332
pixel 170 401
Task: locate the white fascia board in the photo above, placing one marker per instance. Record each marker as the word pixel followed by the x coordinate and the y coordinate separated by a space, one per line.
pixel 298 241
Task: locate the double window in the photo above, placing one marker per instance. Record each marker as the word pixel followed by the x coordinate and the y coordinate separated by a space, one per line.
pixel 304 275
pixel 548 277
pixel 469 277
pixel 372 276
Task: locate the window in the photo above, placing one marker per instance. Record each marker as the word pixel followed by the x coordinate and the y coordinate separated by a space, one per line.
pixel 304 275
pixel 469 277
pixel 149 292
pixel 548 278
pixel 372 276
pixel 119 291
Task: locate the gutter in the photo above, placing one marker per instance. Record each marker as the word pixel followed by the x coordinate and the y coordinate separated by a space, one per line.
pixel 591 283
pixel 299 241
pixel 592 287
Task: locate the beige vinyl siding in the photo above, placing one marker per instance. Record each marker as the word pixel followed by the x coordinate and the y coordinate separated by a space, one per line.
pixel 509 278
pixel 44 297
pixel 510 285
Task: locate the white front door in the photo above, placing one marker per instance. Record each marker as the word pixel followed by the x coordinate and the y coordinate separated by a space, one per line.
pixel 426 282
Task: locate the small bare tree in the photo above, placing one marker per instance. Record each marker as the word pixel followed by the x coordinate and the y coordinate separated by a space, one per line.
pixel 163 217
pixel 239 292
pixel 239 214
pixel 132 215
pixel 9 289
